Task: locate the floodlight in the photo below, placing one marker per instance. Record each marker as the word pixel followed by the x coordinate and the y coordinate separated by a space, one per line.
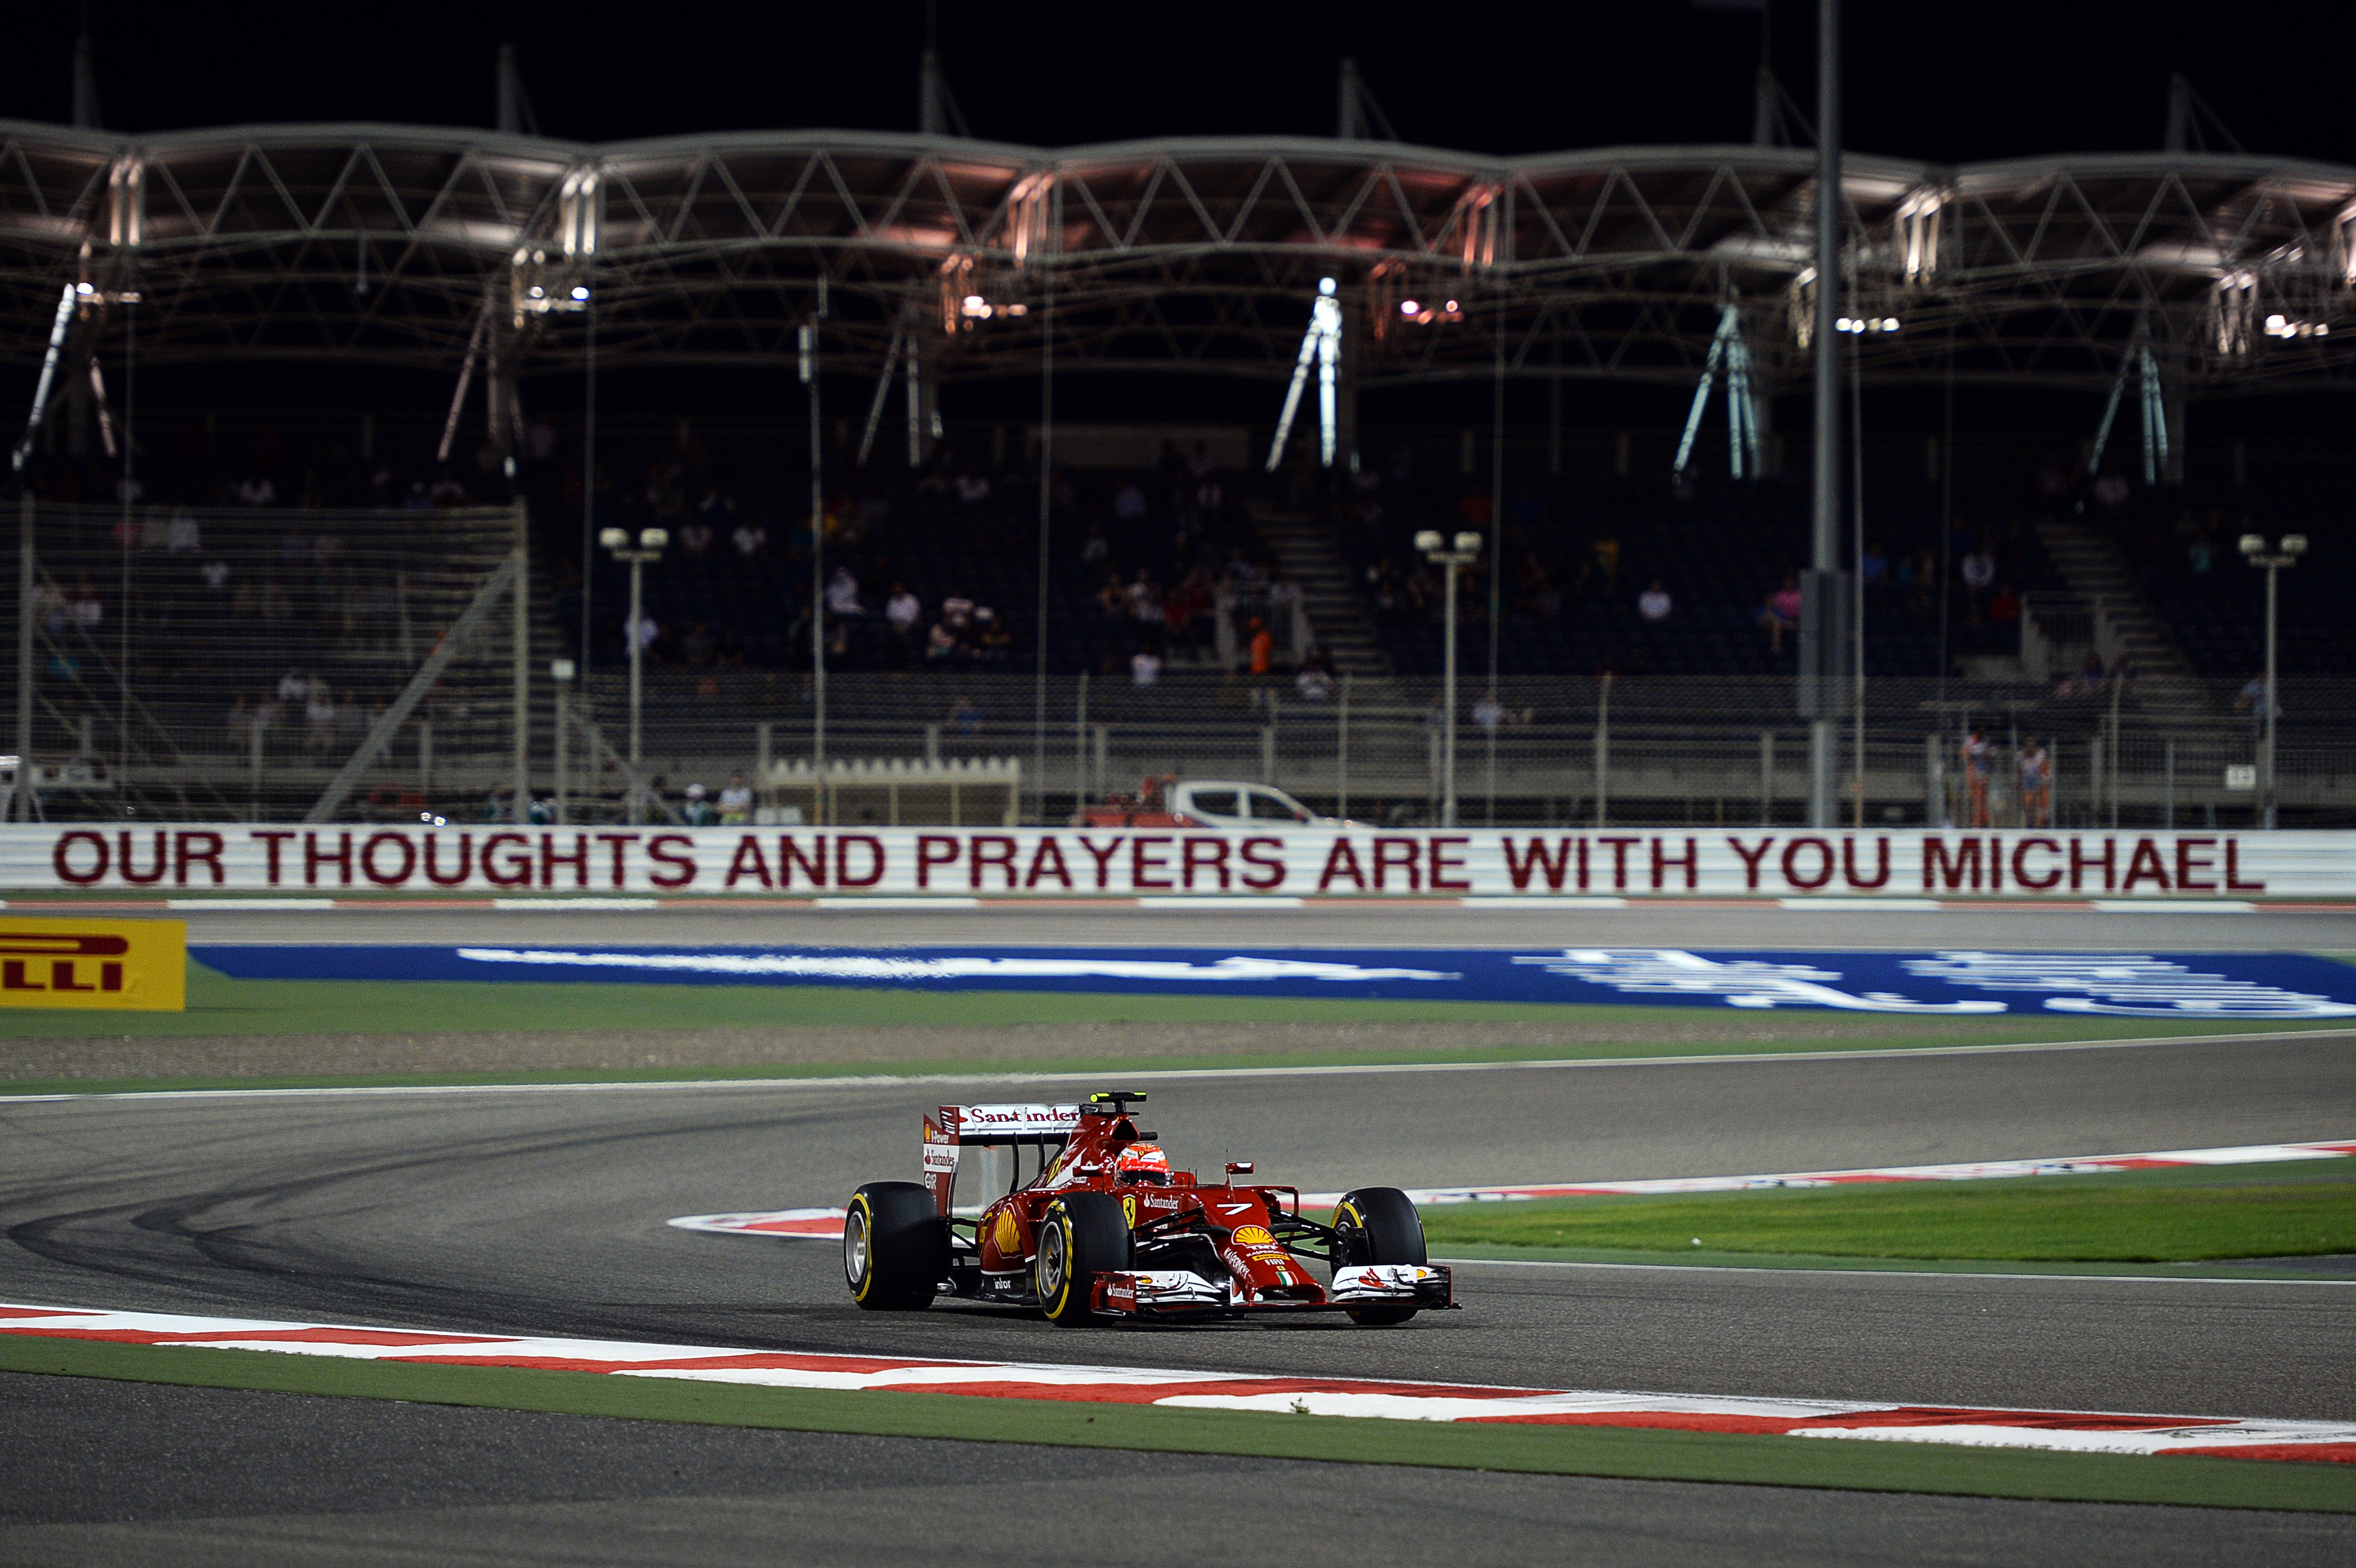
pixel 1468 543
pixel 561 669
pixel 1428 541
pixel 538 293
pixel 653 539
pixel 580 291
pixel 85 289
pixel 613 538
pixel 1325 285
pixel 1408 307
pixel 2253 545
pixel 2294 544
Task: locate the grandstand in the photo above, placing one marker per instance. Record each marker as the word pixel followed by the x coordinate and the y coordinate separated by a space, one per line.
pixel 975 593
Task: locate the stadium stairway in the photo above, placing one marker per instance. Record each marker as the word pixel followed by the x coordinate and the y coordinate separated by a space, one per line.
pixel 1306 554
pixel 2165 689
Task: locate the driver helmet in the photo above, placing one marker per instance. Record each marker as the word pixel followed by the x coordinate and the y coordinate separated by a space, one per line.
pixel 1142 1162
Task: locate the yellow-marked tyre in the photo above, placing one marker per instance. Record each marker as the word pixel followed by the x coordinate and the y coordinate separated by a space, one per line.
pixel 896 1247
pixel 1082 1235
pixel 1379 1225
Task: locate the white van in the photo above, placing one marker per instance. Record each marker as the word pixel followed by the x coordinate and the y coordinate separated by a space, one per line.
pixel 1260 808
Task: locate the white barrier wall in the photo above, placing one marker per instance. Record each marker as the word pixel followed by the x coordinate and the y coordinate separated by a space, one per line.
pixel 1176 862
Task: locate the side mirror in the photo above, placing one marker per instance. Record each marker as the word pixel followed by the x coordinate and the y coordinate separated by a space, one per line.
pixel 1239 1168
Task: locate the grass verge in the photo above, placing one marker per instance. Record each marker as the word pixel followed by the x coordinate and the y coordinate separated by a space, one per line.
pixel 2299 1209
pixel 1545 1450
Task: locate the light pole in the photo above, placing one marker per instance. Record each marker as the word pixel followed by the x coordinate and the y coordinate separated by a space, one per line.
pixel 1450 561
pixel 2253 550
pixel 561 672
pixel 650 546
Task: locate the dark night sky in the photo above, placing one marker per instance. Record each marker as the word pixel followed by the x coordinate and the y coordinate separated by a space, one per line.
pixel 1946 82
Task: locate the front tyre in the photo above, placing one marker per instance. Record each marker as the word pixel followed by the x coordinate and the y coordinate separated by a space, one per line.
pixel 1379 1225
pixel 1082 1235
pixel 896 1247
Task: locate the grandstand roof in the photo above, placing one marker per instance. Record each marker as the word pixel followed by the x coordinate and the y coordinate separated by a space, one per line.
pixel 386 242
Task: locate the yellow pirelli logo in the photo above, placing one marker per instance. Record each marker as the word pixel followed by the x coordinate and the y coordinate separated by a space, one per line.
pixel 138 964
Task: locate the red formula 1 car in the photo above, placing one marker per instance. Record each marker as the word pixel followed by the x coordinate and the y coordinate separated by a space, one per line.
pixel 1106 1229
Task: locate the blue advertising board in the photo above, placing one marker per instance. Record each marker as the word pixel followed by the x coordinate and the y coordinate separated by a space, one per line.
pixel 1949 982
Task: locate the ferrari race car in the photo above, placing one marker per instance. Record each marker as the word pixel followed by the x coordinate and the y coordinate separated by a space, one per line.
pixel 1105 1230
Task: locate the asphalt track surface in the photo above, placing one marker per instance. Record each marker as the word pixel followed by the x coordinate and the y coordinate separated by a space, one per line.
pixel 2013 928
pixel 544 1211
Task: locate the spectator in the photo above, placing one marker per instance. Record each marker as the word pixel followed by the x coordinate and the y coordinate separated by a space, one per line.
pixel 2036 784
pixel 1489 713
pixel 319 717
pixel 1873 570
pixel 1263 648
pixel 643 632
pixel 972 488
pixel 1654 603
pixel 1314 684
pixel 695 538
pixel 1781 613
pixel 1978 572
pixel 1144 598
pixel 2004 609
pixel 699 646
pixel 842 594
pixel 736 802
pixel 1095 550
pixel 1975 758
pixel 751 539
pixel 903 609
pixel 940 644
pixel 1605 555
pixel 181 536
pixel 957 611
pixel 256 491
pixel 994 643
pixel 696 811
pixel 1144 667
pixel 216 574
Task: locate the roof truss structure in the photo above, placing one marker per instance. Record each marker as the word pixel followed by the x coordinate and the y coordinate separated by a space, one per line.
pixel 380 243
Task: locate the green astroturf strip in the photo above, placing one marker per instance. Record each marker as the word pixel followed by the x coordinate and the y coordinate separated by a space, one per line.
pixel 218 1004
pixel 2301 1209
pixel 1545 1450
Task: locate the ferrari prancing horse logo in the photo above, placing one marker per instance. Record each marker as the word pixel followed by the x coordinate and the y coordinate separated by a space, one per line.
pixel 1128 1209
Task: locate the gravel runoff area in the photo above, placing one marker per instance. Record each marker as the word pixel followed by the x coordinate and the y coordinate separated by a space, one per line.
pixel 340 1055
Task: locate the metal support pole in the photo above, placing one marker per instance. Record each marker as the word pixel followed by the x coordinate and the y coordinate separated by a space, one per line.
pixel 1825 554
pixel 818 551
pixel 1342 752
pixel 1603 752
pixel 2267 779
pixel 521 625
pixel 2168 810
pixel 1080 749
pixel 255 738
pixel 638 686
pixel 563 752
pixel 1766 777
pixel 27 570
pixel 1447 709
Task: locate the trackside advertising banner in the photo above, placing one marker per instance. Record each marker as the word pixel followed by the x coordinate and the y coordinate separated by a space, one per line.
pixel 720 862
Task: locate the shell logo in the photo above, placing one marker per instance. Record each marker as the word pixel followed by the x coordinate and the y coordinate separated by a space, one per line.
pixel 1008 1236
pixel 1254 1236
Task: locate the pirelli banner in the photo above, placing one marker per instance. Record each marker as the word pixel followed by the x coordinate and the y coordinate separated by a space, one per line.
pixel 47 963
pixel 1158 862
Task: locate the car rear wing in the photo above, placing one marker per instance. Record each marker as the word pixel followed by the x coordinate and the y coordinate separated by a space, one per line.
pixel 954 1128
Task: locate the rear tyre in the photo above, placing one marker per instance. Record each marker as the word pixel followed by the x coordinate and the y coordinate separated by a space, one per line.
pixel 1082 1235
pixel 896 1247
pixel 1379 1225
